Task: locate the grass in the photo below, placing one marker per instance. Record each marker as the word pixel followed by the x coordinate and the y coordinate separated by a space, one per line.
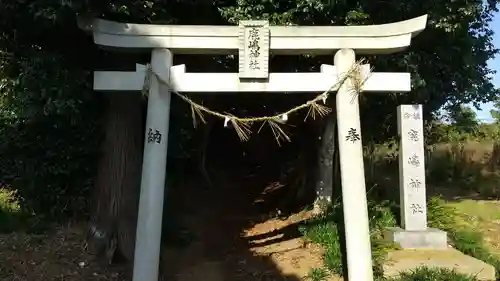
pixel 318 274
pixel 478 210
pixel 325 231
pixel 483 216
pixel 463 235
pixel 465 171
pixel 428 274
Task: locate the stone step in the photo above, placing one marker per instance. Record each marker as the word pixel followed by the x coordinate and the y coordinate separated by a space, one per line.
pixel 407 260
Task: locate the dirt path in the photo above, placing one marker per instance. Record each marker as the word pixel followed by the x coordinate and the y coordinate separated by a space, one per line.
pixel 232 238
pixel 235 241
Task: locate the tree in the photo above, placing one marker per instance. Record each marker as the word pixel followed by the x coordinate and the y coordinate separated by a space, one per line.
pixel 463 118
pixel 495 112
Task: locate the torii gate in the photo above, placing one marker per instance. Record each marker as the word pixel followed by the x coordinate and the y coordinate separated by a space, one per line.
pixel 254 41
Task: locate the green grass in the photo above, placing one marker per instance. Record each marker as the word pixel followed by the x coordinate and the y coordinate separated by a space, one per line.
pixel 478 210
pixel 325 231
pixel 318 274
pixel 433 274
pixel 484 216
pixel 462 235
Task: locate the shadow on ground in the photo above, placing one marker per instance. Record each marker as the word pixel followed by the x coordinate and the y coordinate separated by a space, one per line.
pixel 233 238
pixel 234 230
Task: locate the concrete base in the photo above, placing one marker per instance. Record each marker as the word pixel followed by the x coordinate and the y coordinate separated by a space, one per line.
pixel 408 260
pixel 430 238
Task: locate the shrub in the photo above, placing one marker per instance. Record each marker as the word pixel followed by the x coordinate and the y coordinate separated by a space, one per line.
pixel 9 210
pixel 14 218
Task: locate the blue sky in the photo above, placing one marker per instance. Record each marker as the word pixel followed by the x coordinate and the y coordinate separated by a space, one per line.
pixel 484 113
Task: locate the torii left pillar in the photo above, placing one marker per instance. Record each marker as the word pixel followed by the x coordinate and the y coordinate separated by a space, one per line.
pixel 149 221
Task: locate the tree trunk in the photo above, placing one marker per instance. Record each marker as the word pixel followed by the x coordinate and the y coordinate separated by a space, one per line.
pixel 328 181
pixel 117 185
pixel 328 163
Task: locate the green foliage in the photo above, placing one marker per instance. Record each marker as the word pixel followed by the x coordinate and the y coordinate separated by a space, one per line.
pixel 318 274
pixel 440 72
pixel 9 210
pixel 325 231
pixel 49 115
pixel 432 274
pixel 495 112
pixel 49 141
pixel 8 201
pixel 446 133
pixel 462 126
pixel 13 218
pixel 440 215
pixel 463 118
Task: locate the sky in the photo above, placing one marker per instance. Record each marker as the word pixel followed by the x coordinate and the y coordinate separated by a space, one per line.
pixel 494 64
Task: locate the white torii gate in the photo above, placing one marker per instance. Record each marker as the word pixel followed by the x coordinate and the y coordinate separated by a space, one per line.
pixel 253 41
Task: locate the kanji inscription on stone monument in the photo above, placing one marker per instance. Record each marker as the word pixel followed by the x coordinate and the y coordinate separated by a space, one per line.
pixel 412 115
pixel 412 168
pixel 414 183
pixel 414 160
pixel 413 135
pixel 417 209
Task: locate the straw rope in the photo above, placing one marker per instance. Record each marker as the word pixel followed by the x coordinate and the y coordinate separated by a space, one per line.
pixel 242 125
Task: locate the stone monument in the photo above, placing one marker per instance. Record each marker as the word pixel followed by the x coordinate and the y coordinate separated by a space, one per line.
pixel 413 203
pixel 421 245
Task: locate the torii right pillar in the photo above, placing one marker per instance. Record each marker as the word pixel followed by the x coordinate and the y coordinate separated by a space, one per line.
pixel 354 202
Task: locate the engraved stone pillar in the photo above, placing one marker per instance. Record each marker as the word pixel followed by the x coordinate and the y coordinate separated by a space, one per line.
pixel 357 234
pixel 412 168
pixel 149 222
pixel 414 232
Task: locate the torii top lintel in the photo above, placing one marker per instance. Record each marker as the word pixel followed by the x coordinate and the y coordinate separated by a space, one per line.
pixel 204 39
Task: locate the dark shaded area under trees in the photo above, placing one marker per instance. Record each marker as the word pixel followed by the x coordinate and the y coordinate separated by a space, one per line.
pixel 61 142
